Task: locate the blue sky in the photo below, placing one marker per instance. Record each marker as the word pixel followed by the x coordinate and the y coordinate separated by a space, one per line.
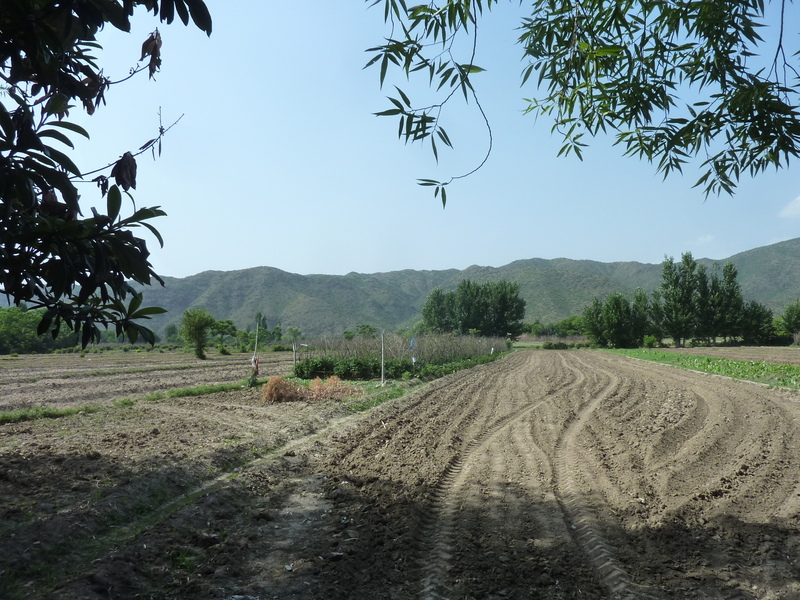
pixel 279 161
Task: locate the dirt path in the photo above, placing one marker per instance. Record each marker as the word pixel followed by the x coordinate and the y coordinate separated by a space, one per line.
pixel 547 475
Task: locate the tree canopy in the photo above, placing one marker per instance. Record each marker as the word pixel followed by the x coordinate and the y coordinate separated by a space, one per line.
pixel 494 308
pixel 671 81
pixel 196 323
pixel 692 302
pixel 57 254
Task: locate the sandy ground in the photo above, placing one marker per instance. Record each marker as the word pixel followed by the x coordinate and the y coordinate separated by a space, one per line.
pixel 548 474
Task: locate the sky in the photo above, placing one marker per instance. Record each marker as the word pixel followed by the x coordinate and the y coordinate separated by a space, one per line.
pixel 278 159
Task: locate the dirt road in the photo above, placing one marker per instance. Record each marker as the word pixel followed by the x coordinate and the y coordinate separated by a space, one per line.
pixel 546 475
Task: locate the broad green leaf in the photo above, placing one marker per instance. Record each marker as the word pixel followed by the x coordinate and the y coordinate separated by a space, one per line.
pixel 63 160
pixel 113 202
pixel 71 126
pixel 56 135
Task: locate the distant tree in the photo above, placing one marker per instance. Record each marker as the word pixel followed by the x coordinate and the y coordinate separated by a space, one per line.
pixel 18 333
pixel 571 326
pixel 505 309
pixel 195 326
pixel 618 321
pixel 293 334
pixel 655 321
pixel 593 324
pixel 494 308
pixel 277 333
pixel 438 314
pixel 59 254
pixel 705 310
pixel 172 333
pixel 678 286
pixel 366 331
pixel 790 319
pixel 756 324
pixel 640 317
pixel 223 329
pixel 471 307
pixel 729 303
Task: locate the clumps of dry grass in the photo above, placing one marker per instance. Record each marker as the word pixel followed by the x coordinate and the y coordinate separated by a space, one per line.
pixel 280 389
pixel 332 388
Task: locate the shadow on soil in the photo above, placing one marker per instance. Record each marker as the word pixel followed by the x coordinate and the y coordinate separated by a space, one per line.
pixel 289 530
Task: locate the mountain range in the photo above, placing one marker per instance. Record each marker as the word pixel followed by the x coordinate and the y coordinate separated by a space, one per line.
pixel 327 305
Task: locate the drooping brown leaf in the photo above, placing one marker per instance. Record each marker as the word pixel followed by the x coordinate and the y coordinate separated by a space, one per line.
pixel 102 183
pixel 124 172
pixel 152 48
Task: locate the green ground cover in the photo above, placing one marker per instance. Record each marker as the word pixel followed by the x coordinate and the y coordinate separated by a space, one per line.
pixel 768 373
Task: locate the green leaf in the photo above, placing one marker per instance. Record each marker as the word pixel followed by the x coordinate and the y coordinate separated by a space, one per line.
pixel 147 311
pixel 609 50
pixel 64 161
pixel 183 13
pixel 155 232
pixel 113 202
pixel 72 127
pixel 200 15
pixel 403 96
pixel 470 69
pixel 57 135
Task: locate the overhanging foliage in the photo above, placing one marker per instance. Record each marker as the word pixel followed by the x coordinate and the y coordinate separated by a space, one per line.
pixel 671 81
pixel 53 255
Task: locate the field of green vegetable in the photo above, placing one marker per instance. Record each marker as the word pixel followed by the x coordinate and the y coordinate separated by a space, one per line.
pixel 770 366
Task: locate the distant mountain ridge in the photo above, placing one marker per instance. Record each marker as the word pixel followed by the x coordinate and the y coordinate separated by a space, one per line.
pixel 327 305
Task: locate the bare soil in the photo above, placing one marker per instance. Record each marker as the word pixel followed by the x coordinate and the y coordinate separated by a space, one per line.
pixel 101 378
pixel 548 474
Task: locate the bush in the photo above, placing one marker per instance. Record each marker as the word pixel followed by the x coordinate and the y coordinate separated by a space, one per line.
pixel 650 341
pixel 555 346
pixel 320 366
pixel 280 389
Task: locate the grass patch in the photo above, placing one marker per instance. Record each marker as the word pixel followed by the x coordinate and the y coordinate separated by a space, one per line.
pixel 759 371
pixel 200 390
pixel 33 413
pixel 375 395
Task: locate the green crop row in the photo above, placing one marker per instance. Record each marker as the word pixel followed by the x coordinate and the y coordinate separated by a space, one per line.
pixel 367 368
pixel 781 375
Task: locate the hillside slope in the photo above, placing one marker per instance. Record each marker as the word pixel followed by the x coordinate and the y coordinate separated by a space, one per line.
pixel 326 305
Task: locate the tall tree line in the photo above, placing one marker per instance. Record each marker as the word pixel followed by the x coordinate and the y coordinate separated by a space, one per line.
pixel 494 308
pixel 693 302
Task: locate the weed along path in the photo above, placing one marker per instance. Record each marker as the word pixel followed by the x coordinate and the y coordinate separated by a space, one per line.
pixel 548 474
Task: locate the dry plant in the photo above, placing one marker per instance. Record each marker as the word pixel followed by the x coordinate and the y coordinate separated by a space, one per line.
pixel 332 388
pixel 280 389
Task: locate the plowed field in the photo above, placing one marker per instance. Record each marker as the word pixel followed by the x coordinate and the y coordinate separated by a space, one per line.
pixel 548 474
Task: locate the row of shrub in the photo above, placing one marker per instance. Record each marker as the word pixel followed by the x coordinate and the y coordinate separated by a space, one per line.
pixel 565 345
pixel 370 368
pixel 351 367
